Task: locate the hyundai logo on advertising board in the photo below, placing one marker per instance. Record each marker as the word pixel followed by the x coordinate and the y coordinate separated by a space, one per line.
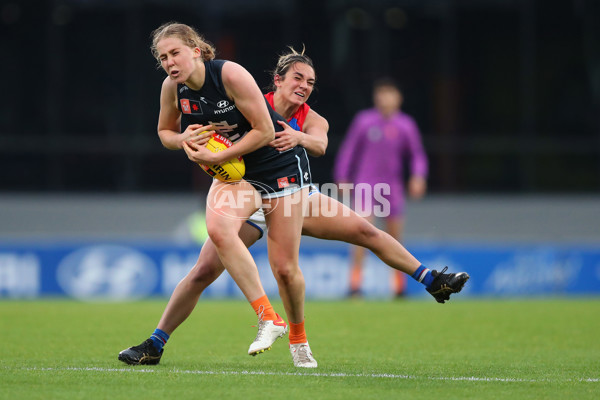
pixel 107 272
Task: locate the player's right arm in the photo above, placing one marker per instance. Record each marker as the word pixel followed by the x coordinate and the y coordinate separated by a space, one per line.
pixel 169 121
pixel 313 139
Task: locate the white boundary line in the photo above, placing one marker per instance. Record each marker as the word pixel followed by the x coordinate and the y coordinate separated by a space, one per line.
pixel 316 374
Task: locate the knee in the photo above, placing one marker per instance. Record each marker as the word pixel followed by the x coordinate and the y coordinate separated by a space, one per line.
pixel 220 234
pixel 201 276
pixel 365 231
pixel 286 272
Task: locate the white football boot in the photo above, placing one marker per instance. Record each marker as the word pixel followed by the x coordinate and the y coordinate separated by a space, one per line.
pixel 302 355
pixel 268 332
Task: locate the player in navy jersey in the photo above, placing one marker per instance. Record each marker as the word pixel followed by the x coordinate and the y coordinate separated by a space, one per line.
pixel 202 95
pixel 293 82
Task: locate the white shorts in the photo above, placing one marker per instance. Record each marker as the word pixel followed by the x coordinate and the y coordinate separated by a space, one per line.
pixel 257 219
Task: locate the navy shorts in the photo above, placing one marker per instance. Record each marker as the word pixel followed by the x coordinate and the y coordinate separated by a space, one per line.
pixel 282 180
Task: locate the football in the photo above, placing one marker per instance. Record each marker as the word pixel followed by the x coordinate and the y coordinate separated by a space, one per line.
pixel 229 171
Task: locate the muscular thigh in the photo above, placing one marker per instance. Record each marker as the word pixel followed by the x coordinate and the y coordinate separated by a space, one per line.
pixel 230 205
pixel 284 219
pixel 330 219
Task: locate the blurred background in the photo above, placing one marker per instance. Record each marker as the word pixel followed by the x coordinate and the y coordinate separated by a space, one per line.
pixel 506 94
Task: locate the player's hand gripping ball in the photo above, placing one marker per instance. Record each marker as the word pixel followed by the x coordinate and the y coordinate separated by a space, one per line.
pixel 229 171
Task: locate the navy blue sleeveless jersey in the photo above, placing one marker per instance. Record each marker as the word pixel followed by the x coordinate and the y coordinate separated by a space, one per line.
pixel 211 106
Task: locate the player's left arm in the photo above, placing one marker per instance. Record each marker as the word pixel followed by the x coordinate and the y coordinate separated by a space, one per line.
pixel 249 100
pixel 313 139
pixel 245 93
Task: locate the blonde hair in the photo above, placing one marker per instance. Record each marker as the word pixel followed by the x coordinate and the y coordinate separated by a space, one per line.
pixel 188 35
pixel 285 61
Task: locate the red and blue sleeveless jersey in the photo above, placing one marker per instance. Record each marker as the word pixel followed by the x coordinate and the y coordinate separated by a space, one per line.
pixel 297 120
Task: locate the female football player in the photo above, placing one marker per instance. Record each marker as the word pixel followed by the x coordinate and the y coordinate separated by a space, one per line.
pixel 293 82
pixel 200 94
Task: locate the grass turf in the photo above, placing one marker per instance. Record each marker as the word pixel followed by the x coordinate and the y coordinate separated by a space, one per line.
pixel 529 349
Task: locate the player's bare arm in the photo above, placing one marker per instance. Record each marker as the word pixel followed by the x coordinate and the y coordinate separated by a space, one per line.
pixel 249 100
pixel 169 121
pixel 313 139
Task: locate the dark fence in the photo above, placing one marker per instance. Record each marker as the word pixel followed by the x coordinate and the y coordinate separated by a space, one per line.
pixel 506 93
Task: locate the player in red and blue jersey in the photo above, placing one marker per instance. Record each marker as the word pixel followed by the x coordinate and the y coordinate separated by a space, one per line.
pixel 293 81
pixel 298 118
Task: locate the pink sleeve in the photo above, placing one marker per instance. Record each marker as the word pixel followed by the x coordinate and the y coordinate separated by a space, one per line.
pixel 347 151
pixel 418 159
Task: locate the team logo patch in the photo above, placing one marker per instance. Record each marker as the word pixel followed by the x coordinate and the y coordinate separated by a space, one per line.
pixel 190 106
pixel 283 183
pixel 288 181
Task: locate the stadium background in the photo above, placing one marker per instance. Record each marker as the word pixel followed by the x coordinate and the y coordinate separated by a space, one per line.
pixel 506 93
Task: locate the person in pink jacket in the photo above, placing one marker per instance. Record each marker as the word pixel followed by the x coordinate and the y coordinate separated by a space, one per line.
pixel 379 143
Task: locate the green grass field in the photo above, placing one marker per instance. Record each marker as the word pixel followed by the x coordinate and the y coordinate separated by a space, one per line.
pixel 473 349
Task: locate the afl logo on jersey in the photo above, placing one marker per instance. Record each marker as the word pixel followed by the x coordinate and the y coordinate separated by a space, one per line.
pixel 189 106
pixel 222 104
